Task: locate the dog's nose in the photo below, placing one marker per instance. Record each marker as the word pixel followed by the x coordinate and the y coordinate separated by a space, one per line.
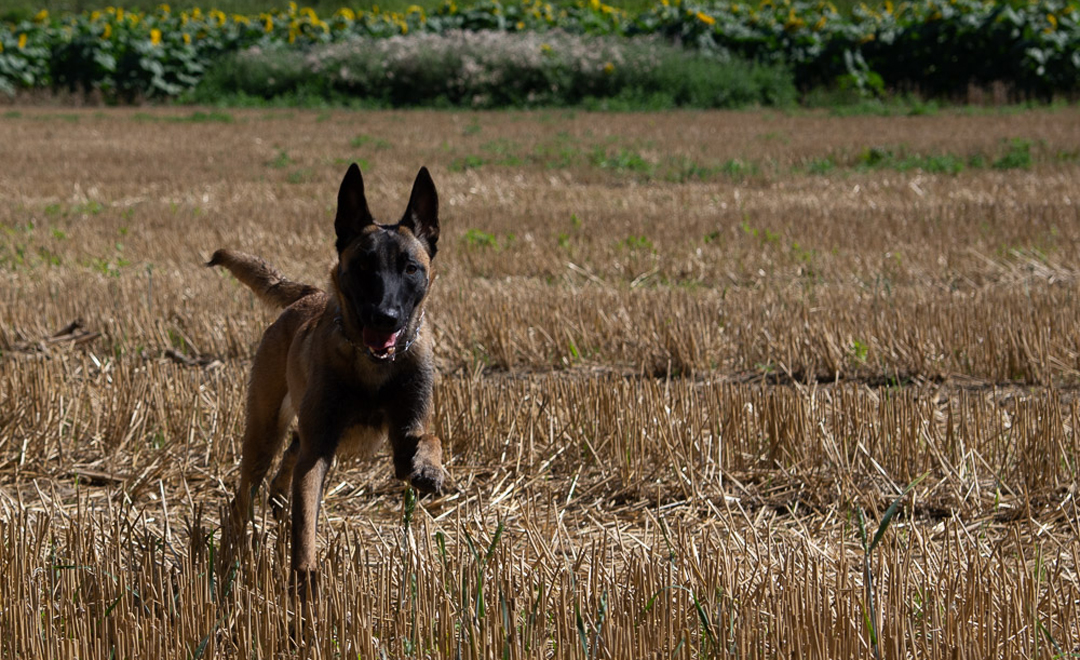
pixel 383 319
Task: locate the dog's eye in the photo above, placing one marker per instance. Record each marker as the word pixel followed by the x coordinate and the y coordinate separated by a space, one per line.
pixel 411 268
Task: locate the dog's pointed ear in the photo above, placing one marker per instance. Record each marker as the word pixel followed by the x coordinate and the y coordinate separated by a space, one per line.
pixel 422 214
pixel 352 209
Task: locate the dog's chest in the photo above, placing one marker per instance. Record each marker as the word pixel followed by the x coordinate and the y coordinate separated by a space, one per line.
pixel 371 376
pixel 361 440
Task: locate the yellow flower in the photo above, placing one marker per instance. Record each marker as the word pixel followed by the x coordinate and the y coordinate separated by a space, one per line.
pixel 1052 20
pixel 42 16
pixel 164 8
pixel 107 32
pixel 218 15
pixel 347 14
pixel 705 18
pixel 793 22
pixel 609 68
pixel 414 9
pixel 545 48
pixel 292 8
pixel 155 36
pixel 94 15
pixel 595 5
pixel 22 41
pixel 310 13
pixel 520 25
pixel 888 7
pixel 820 23
pixel 1 46
pixel 119 14
pixel 240 19
pixel 187 39
pixel 268 26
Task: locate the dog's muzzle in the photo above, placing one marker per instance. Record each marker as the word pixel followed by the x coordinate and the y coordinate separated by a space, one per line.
pixel 382 346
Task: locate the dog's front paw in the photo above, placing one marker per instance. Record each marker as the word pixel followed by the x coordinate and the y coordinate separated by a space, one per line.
pixel 421 464
pixel 428 479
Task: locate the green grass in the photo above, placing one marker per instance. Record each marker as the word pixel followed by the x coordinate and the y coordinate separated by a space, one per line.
pixel 469 162
pixel 360 141
pixel 896 159
pixel 197 117
pixel 1018 156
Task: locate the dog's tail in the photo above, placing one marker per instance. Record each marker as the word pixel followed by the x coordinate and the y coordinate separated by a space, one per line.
pixel 266 281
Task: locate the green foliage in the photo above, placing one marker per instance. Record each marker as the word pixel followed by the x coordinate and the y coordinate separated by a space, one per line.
pixel 497 70
pixel 634 243
pixel 197 117
pixel 1018 156
pixel 378 144
pixel 728 53
pixel 936 46
pixel 469 162
pixel 821 165
pixel 622 160
pixel 900 160
pixel 476 238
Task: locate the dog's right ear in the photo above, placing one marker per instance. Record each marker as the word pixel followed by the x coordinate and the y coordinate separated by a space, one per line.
pixel 352 209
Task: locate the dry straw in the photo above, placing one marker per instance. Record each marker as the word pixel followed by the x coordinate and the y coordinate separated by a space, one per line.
pixel 668 406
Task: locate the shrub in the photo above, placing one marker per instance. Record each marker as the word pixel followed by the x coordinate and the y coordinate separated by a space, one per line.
pixel 496 69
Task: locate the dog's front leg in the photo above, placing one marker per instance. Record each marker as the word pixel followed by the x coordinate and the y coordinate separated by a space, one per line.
pixel 418 460
pixel 309 474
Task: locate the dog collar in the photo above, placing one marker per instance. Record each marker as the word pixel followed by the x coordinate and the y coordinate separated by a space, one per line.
pixel 416 333
pixel 404 349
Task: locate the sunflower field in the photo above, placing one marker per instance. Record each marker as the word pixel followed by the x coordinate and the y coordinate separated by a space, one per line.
pixel 934 47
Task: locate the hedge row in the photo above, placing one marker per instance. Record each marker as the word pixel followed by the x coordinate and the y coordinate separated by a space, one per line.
pixel 491 69
pixel 934 46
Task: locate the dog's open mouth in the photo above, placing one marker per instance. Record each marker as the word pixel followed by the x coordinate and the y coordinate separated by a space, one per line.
pixel 381 345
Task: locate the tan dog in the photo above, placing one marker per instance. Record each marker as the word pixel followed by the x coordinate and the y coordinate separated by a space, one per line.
pixel 352 364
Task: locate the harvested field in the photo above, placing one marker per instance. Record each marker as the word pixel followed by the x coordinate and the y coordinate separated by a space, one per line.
pixel 684 357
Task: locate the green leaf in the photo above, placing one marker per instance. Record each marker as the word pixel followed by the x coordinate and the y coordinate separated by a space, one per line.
pixel 889 513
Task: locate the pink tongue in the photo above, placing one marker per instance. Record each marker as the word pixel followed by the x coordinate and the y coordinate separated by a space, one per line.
pixel 378 341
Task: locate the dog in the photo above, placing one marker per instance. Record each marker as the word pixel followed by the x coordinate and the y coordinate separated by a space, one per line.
pixel 352 364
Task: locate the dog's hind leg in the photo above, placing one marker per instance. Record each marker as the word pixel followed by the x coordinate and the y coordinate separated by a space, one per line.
pixel 280 485
pixel 264 432
pixel 267 421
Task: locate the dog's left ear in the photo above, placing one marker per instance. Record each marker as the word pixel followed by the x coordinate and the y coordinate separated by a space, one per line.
pixel 422 214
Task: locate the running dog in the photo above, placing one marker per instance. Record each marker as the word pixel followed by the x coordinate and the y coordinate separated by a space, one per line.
pixel 353 365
